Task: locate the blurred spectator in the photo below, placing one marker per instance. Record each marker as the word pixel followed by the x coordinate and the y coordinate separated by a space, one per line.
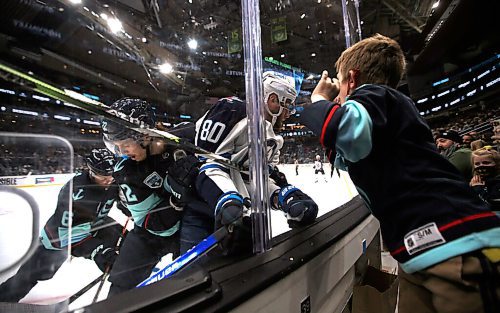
pixel 486 179
pixel 467 139
pixel 449 145
pixel 476 144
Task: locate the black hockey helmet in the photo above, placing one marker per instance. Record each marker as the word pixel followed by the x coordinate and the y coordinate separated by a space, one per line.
pixel 101 162
pixel 133 110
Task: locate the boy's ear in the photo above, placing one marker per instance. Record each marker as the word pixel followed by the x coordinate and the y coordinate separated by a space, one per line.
pixel 353 79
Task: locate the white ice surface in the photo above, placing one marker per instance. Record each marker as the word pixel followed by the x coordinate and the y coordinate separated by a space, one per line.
pixel 78 272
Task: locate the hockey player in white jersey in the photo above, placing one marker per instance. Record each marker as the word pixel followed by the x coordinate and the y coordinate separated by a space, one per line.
pixel 224 130
pixel 318 168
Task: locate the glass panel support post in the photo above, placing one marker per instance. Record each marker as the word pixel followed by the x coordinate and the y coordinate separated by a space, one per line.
pixel 261 226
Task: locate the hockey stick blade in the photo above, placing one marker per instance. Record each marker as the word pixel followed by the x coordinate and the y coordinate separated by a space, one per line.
pixel 187 258
pixel 100 109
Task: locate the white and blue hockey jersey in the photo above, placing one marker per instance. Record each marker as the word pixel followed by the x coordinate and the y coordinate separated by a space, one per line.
pixel 224 130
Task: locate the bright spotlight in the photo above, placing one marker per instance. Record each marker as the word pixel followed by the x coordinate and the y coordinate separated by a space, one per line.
pixel 192 44
pixel 114 25
pixel 435 5
pixel 165 68
pixel 75 1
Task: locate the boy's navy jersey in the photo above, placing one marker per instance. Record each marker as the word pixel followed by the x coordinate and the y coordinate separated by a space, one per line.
pixel 141 184
pixel 427 212
pixel 91 204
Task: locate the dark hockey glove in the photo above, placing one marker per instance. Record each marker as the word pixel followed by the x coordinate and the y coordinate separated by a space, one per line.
pixel 278 177
pixel 229 210
pixel 299 208
pixel 104 257
pixel 239 241
pixel 181 179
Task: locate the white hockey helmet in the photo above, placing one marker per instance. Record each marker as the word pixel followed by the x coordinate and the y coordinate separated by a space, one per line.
pixel 284 87
pixel 318 157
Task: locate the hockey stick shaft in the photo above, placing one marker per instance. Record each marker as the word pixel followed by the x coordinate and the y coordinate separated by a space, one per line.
pixel 189 257
pixel 108 268
pixel 85 289
pixel 101 110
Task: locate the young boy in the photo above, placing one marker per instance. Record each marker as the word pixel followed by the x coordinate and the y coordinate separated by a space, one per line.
pixel 441 234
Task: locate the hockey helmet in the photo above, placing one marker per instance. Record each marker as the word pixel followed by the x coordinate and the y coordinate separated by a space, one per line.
pixel 101 162
pixel 135 111
pixel 284 87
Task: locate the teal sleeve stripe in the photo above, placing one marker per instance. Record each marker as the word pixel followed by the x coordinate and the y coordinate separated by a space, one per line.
pixel 354 136
pixel 166 233
pixel 46 241
pixel 78 233
pixel 141 209
pixel 486 239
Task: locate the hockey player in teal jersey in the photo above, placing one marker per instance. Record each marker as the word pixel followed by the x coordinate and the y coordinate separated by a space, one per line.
pixel 141 175
pixel 94 233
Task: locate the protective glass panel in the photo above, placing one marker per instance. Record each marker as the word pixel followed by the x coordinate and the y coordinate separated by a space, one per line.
pixel 64 63
pixel 34 214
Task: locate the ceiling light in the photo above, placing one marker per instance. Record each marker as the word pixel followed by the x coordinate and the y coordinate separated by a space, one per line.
pixel 313 54
pixel 144 40
pixel 302 16
pixel 215 62
pixel 104 16
pixel 192 44
pixel 115 25
pixel 283 55
pixel 75 1
pixel 435 5
pixel 165 68
pixel 319 1
pixel 190 1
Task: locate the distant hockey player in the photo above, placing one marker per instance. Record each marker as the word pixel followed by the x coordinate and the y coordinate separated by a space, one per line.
pixel 141 174
pixel 318 168
pixel 224 130
pixel 94 233
pixel 296 167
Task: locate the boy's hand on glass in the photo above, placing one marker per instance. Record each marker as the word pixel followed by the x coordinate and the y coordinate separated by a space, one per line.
pixel 326 89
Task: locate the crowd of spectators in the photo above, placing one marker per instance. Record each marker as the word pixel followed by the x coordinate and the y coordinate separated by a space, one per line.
pixel 477 126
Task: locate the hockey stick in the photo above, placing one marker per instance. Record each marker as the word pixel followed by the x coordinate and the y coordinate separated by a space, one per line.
pixel 101 277
pixel 108 268
pixel 97 108
pixel 85 289
pixel 189 257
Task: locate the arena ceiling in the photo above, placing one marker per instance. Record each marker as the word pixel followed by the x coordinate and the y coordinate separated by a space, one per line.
pixel 70 43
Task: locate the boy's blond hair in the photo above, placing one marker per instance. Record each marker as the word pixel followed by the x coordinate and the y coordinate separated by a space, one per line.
pixel 378 60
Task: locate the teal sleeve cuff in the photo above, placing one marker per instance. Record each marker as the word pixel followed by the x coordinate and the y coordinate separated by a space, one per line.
pixel 354 137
